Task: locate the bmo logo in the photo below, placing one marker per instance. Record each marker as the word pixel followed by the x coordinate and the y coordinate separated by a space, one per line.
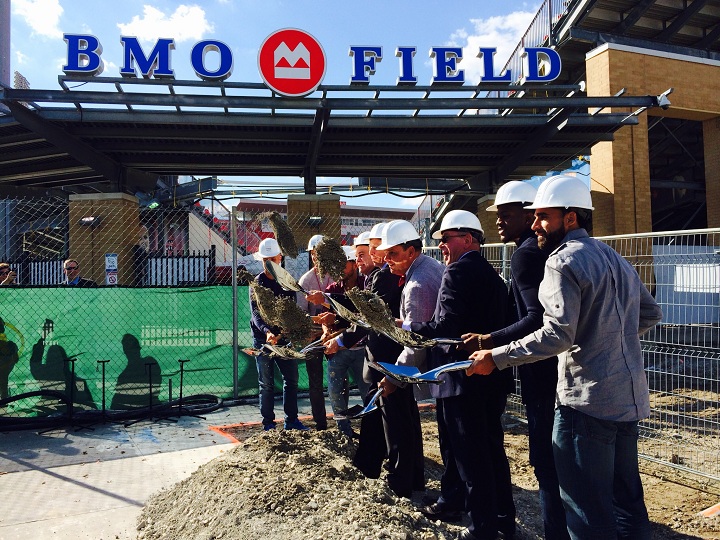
pixel 292 62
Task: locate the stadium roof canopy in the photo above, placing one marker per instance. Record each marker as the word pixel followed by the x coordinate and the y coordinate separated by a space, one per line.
pixel 115 134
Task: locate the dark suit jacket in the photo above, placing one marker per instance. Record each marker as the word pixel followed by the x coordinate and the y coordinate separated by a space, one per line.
pixel 381 348
pixel 83 283
pixel 527 266
pixel 472 298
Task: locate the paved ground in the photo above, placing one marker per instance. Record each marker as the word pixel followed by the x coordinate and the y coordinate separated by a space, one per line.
pixel 91 484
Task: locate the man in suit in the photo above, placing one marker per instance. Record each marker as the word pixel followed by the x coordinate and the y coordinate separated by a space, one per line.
pixel 472 297
pixel 71 269
pixel 539 379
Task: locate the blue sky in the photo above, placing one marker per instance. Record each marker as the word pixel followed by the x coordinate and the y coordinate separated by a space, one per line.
pixel 38 50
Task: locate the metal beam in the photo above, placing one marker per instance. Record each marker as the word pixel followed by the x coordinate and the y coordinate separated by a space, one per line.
pixel 342 104
pixel 599 37
pixel 322 116
pixel 709 39
pixel 79 150
pixel 680 20
pixel 632 17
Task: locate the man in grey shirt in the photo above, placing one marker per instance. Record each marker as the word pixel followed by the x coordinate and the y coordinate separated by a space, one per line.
pixel 596 307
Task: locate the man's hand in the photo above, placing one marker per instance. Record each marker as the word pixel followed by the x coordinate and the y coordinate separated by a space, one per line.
pixel 331 347
pixel 271 338
pixel 315 297
pixel 326 319
pixel 388 387
pixel 482 363
pixel 10 279
pixel 398 323
pixel 475 342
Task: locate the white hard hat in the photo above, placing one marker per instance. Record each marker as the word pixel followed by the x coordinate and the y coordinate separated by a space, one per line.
pixel 513 192
pixel 362 239
pixel 377 230
pixel 267 248
pixel 562 191
pixel 349 253
pixel 397 232
pixel 458 219
pixel 314 241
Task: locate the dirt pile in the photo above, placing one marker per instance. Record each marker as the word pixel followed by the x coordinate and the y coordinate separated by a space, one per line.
pixel 284 484
pixel 294 485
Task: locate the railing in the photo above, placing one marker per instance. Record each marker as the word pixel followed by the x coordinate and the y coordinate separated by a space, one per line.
pixel 538 34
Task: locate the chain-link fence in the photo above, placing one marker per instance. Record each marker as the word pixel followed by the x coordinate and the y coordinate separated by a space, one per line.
pixel 123 309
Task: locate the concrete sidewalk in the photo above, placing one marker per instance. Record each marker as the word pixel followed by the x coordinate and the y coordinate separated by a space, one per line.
pixel 76 485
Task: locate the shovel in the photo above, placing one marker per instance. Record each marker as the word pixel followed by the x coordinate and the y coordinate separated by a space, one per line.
pixel 289 283
pixel 358 411
pixel 412 375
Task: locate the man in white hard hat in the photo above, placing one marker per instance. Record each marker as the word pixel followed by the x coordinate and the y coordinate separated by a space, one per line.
pixel 313 281
pixel 379 433
pixel 538 380
pixel 471 296
pixel 419 275
pixel 595 309
pixel 345 360
pixel 264 332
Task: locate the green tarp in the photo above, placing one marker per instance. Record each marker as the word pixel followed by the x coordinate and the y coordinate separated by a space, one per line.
pixel 141 332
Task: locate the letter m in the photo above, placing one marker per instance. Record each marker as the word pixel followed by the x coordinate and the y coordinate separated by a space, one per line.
pixel 155 65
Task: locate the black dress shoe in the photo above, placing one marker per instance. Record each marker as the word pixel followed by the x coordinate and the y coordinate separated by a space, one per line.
pixel 437 511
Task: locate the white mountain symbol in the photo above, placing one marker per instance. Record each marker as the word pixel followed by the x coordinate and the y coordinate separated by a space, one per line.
pixel 286 62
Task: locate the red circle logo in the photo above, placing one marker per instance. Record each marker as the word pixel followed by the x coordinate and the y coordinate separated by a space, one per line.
pixel 292 62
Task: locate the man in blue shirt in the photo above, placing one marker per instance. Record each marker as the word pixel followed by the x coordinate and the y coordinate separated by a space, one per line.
pixel 264 332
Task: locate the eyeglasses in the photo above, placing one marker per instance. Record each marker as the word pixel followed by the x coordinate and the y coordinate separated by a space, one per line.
pixel 445 237
pixel 71 268
pixel 4 272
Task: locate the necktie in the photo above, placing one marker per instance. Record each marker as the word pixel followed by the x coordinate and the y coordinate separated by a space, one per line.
pixel 401 281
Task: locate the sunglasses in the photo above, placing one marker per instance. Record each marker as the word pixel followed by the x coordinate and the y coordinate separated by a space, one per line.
pixel 71 268
pixel 445 237
pixel 4 272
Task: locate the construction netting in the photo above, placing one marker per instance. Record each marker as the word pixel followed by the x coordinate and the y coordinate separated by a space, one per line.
pixel 115 306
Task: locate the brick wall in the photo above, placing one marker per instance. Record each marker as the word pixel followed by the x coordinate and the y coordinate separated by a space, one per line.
pixel 620 170
pixel 118 232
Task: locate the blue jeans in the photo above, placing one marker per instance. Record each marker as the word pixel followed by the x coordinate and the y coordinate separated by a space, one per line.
pixel 597 467
pixel 266 378
pixel 339 365
pixel 540 418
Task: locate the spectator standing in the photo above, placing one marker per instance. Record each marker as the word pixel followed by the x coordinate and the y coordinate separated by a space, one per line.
pixel 71 268
pixel 602 391
pixel 7 275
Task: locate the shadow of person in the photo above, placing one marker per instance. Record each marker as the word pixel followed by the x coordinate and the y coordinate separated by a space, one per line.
pixel 9 356
pixel 132 389
pixel 56 374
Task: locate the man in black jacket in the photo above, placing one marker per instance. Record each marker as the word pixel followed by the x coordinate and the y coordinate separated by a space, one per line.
pixel 71 268
pixel 477 474
pixel 539 379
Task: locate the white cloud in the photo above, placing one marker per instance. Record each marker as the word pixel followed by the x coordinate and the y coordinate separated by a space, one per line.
pixel 502 32
pixel 185 24
pixel 21 57
pixel 42 16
